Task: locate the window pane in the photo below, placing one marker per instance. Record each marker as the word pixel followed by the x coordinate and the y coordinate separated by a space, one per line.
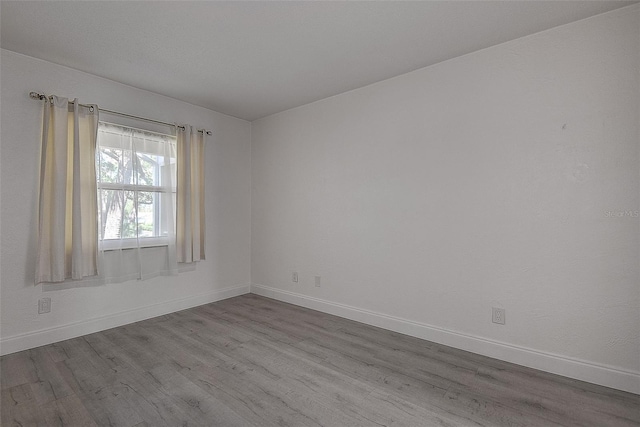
pixel 147 214
pixel 117 214
pixel 168 172
pixel 109 165
pixel 167 213
pixel 115 166
pixel 146 169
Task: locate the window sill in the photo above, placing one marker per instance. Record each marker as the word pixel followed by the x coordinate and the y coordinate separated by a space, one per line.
pixel 128 244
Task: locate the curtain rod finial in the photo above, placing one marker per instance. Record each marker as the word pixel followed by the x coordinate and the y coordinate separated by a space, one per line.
pixel 36 95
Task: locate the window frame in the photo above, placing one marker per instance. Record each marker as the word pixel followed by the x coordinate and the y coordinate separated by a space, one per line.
pixel 136 242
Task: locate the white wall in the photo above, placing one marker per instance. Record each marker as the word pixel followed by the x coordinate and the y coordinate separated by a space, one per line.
pixel 424 200
pixel 77 311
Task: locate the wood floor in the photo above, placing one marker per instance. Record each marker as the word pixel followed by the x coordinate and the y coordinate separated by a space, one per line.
pixel 253 361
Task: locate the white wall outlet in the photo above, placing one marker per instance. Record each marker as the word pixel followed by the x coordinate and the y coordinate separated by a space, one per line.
pixel 317 279
pixel 498 315
pixel 294 277
pixel 44 305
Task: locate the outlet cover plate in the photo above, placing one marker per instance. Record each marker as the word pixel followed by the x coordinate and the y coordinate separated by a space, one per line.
pixel 44 305
pixel 294 277
pixel 498 315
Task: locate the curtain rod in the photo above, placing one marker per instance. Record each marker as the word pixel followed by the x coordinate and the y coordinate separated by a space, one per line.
pixel 36 95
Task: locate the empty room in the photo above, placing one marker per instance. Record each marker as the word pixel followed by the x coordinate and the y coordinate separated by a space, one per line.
pixel 320 213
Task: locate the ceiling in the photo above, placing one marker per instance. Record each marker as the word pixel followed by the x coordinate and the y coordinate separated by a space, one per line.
pixel 253 59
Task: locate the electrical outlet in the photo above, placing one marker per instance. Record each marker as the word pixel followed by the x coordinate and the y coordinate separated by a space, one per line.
pixel 317 279
pixel 294 277
pixel 44 305
pixel 498 315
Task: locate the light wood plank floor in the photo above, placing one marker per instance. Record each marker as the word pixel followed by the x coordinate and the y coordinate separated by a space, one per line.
pixel 253 361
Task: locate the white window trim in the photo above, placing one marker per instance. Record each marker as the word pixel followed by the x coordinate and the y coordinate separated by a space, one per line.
pixel 133 243
pixel 140 242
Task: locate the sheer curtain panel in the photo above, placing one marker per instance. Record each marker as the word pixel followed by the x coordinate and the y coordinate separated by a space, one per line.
pixel 190 225
pixel 136 195
pixel 67 209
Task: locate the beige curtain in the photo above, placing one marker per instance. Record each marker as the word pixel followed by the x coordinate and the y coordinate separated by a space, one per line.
pixel 67 211
pixel 190 215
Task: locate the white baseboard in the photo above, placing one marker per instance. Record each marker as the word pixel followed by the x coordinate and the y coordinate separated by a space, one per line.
pixel 557 364
pixel 59 333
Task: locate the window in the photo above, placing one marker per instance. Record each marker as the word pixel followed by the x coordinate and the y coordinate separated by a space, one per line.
pixel 136 175
pixel 107 198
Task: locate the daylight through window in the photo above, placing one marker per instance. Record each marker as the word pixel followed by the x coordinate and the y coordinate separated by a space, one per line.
pixel 136 173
